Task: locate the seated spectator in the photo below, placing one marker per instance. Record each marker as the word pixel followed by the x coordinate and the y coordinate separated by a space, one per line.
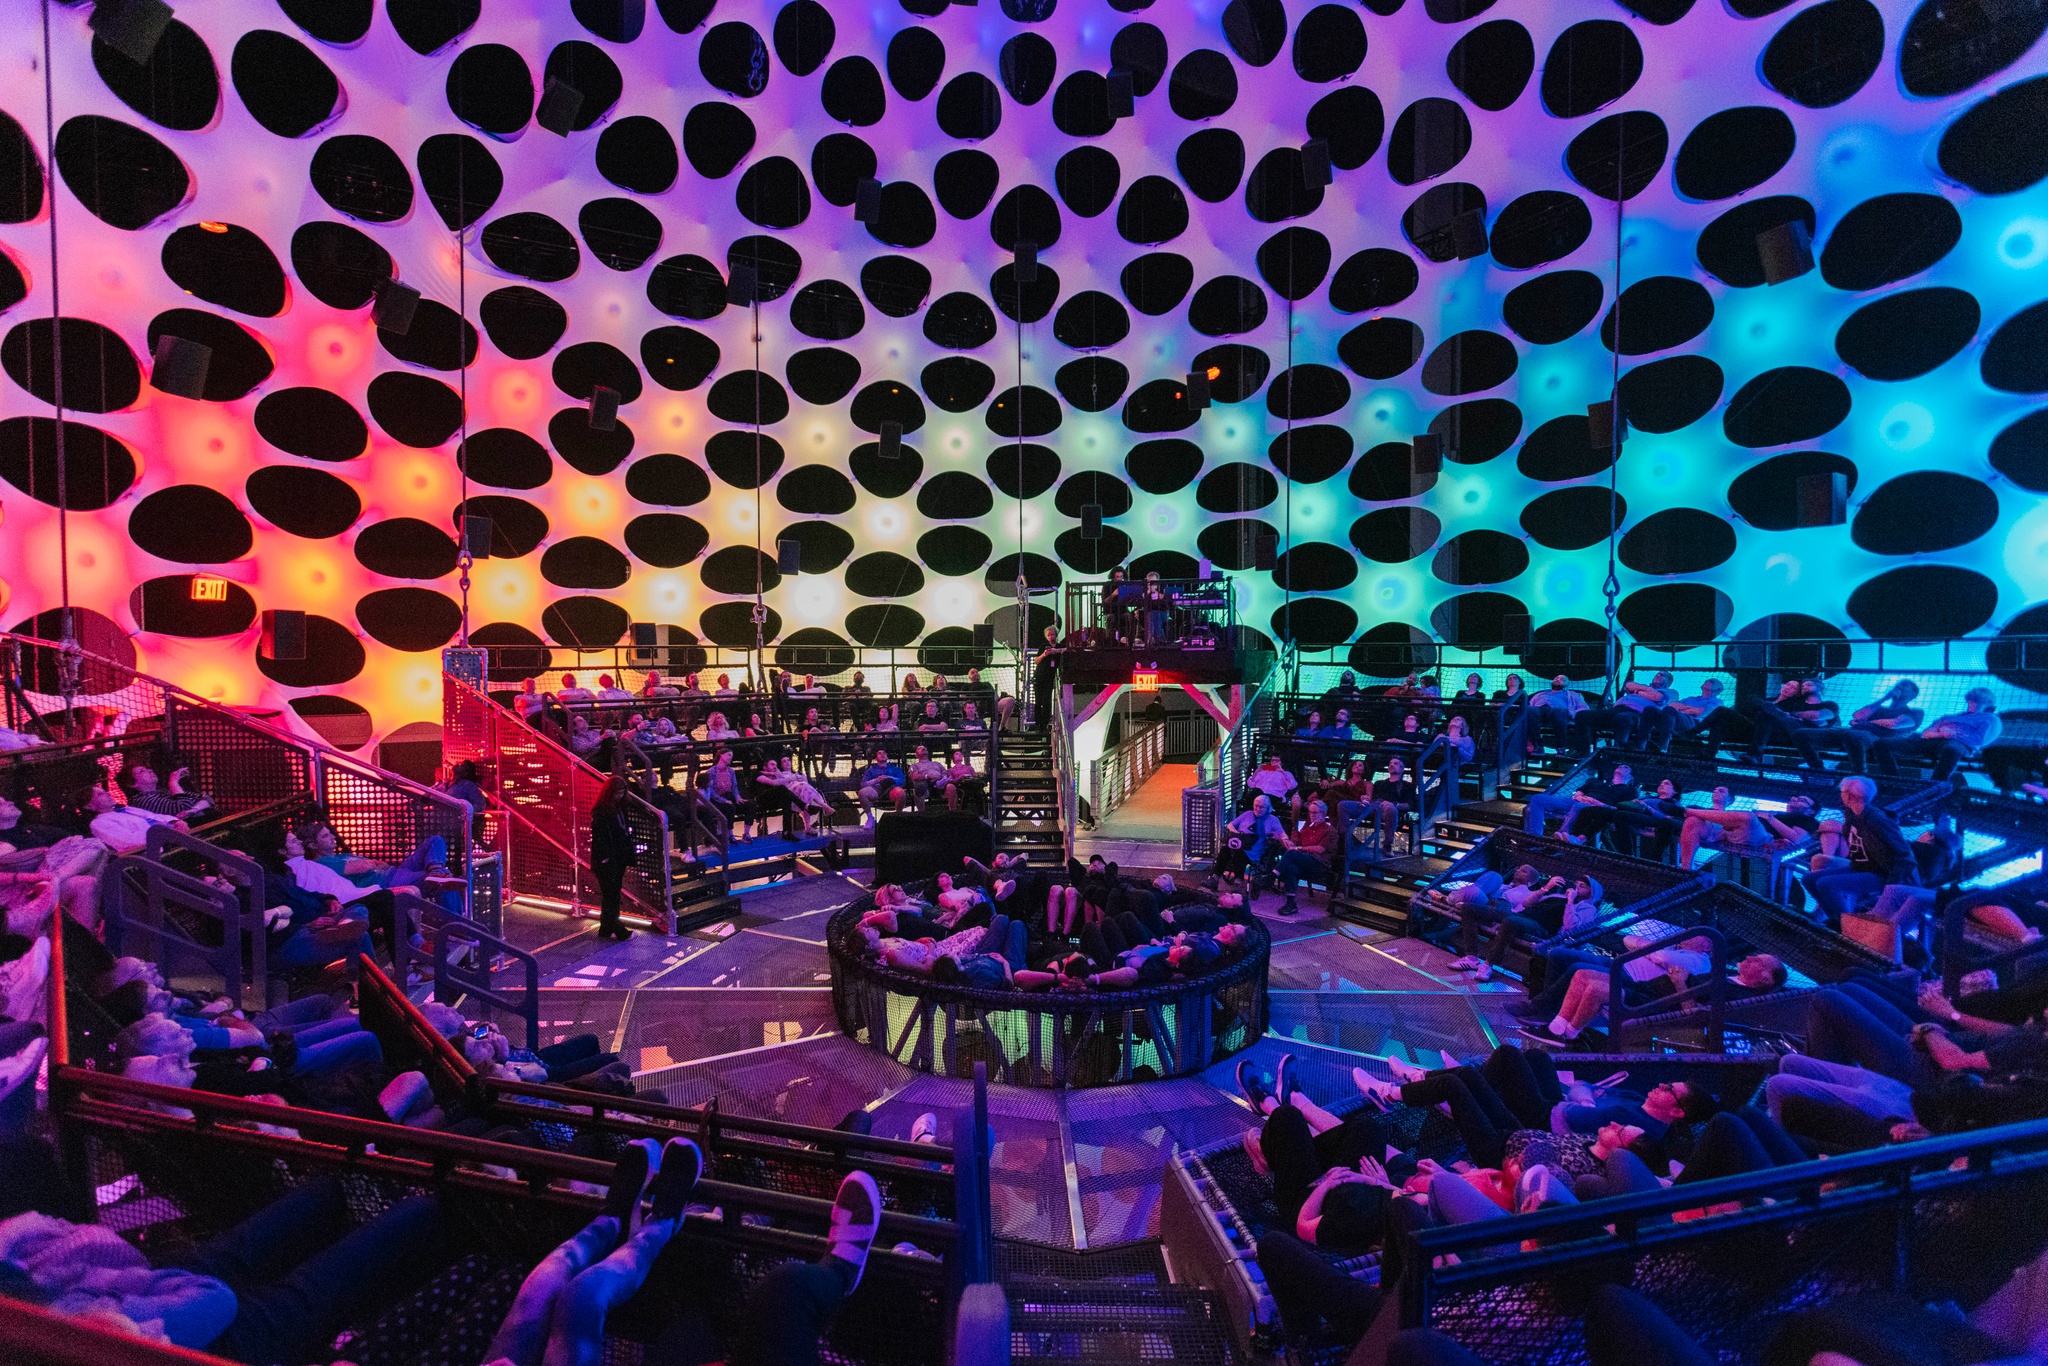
pixel 931 719
pixel 1310 727
pixel 123 829
pixel 1345 694
pixel 1639 711
pixel 1347 796
pixel 1586 810
pixel 653 687
pixel 964 785
pixel 720 788
pixel 1340 727
pixel 693 691
pixel 1511 693
pixel 1700 716
pixel 924 773
pixel 462 785
pixel 1483 902
pixel 1889 717
pixel 971 717
pixel 1649 827
pixel 1797 706
pixel 607 691
pixel 1275 783
pixel 805 800
pixel 143 790
pixel 1249 841
pixel 1458 735
pixel 1954 738
pixel 1717 825
pixel 885 718
pixel 427 863
pixel 1665 973
pixel 811 687
pixel 571 692
pixel 1473 694
pixel 1392 797
pixel 1544 915
pixel 15 833
pixel 882 782
pixel 1312 853
pixel 718 728
pixel 1559 718
pixel 585 740
pixel 1877 854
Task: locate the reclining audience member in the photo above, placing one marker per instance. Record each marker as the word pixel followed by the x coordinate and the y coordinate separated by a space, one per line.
pixel 1717 825
pixel 1954 738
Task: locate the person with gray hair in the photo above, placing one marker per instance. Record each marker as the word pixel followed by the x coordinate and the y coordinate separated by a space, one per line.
pixel 1879 855
pixel 1954 738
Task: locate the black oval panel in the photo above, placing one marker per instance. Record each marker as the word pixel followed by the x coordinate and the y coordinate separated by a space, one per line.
pixel 585 562
pixel 1233 545
pixel 822 374
pixel 1226 306
pixel 1156 283
pixel 817 490
pixel 1386 473
pixel 1677 541
pixel 100 373
pixel 580 369
pixel 406 548
pixel 679 358
pixel 1766 495
pixel 1092 383
pixel 339 266
pixel 1573 518
pixel 1617 157
pixel 891 478
pixel 970 108
pixel 668 540
pixel 98 468
pixel 461 178
pixel 1825 53
pixel 964 180
pixel 123 176
pixel 1475 557
pixel 1889 238
pixel 531 244
pixel 1308 391
pixel 226 265
pixel 1087 179
pixel 2015 360
pixel 1162 466
pixel 1090 321
pixel 1923 602
pixel 1029 411
pixel 803 36
pixel 883 626
pixel 917 58
pixel 1469 362
pixel 283 85
pixel 177 87
pixel 1946 48
pixel 2020 452
pixel 1905 335
pixel 1924 512
pixel 1211 162
pixel 1477 430
pixel 426 26
pixel 1381 348
pixel 1203 85
pixel 505 458
pixel 164 606
pixel 595 624
pixel 957 384
pixel 490 88
pixel 21 173
pixel 1309 455
pixel 1668 394
pixel 667 481
pixel 1562 449
pixel 1350 121
pixel 1329 44
pixel 733 58
pixel 1727 247
pixel 1791 403
pixel 333 657
pixel 747 396
pixel 1237 487
pixel 1372 279
pixel 1657 314
pixel 620 233
pixel 745 460
pixel 955 494
pixel 413 410
pixel 239 363
pixel 517 526
pixel 1159 405
pixel 1027 64
pixel 1396 535
pixel 1023 470
pixel 1593 63
pixel 190 523
pixel 954 551
pixel 1554 307
pixel 1475 619
pixel 1733 151
pixel 309 503
pixel 636 153
pixel 716 138
pixel 888 400
pixel 1669 614
pixel 1539 227
pixel 1492 63
pixel 1430 137
pixel 739 569
pixel 959 322
pixel 1098 487
pixel 414 620
pixel 852 92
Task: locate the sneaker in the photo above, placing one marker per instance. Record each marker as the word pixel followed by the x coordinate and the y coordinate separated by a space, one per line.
pixel 856 1215
pixel 631 1175
pixel 925 1128
pixel 1384 1094
pixel 1286 907
pixel 1529 1010
pixel 1405 1070
pixel 1252 1085
pixel 1541 1034
pixel 682 1162
pixel 1283 1079
pixel 1465 964
pixel 1483 973
pixel 913 1250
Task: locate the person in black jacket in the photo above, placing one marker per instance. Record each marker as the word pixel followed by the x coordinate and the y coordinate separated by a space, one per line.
pixel 611 851
pixel 1879 855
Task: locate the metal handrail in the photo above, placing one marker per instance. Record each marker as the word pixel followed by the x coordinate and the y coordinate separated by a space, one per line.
pixel 1122 769
pixel 1243 735
pixel 1712 991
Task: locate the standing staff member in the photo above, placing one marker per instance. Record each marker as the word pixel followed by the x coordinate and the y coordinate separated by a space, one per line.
pixel 611 852
pixel 1043 675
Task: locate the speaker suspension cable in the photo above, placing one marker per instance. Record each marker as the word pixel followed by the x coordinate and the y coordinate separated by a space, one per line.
pixel 66 632
pixel 1611 589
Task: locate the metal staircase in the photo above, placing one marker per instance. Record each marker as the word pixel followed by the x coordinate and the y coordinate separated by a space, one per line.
pixel 1025 806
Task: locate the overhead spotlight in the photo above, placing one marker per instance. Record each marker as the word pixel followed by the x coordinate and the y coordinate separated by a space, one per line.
pixel 1026 263
pixel 744 288
pixel 867 201
pixel 560 103
pixel 476 536
pixel 892 440
pixel 130 27
pixel 1315 163
pixel 1091 521
pixel 1426 455
pixel 178 367
pixel 393 307
pixel 789 557
pixel 1786 251
pixel 1601 418
pixel 604 409
pixel 1198 390
pixel 1122 94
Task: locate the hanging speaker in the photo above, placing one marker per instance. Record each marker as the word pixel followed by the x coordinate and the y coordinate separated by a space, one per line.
pixel 1026 263
pixel 744 287
pixel 1786 251
pixel 1204 570
pixel 789 557
pixel 604 409
pixel 1091 521
pixel 892 440
pixel 476 536
pixel 1600 426
pixel 1822 498
pixel 984 635
pixel 394 306
pixel 1426 455
pixel 1265 547
pixel 130 27
pixel 1315 163
pixel 284 635
pixel 1122 94
pixel 1468 235
pixel 1514 632
pixel 560 103
pixel 1198 390
pixel 867 201
pixel 178 367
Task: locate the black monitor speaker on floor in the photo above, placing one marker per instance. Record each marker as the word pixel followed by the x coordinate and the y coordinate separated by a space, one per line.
pixel 913 845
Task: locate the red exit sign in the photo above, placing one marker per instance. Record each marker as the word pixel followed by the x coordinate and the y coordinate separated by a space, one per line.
pixel 1145 680
pixel 207 588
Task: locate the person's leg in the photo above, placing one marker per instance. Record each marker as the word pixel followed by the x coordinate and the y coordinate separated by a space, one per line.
pixel 1485 1138
pixel 1454 1200
pixel 1428 1347
pixel 1624 1329
pixel 1947 754
pixel 1623 1173
pixel 1289 1148
pixel 1017 946
pixel 1309 1292
pixel 1132 929
pixel 331 1055
pixel 1807 740
pixel 1508 1071
pixel 1836 893
pixel 1880 1007
pixel 1095 944
pixel 786 1312
pixel 294 1016
pixel 1835 1119
pixel 1874 1093
pixel 523 1335
pixel 1690 834
pixel 1856 747
pixel 282 1234
pixel 1725 1147
pixel 1839 1029
pixel 576 1333
pixel 575 1048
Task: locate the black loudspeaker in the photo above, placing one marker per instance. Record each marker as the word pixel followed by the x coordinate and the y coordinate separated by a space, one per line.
pixel 789 557
pixel 560 103
pixel 984 636
pixel 393 306
pixel 1468 235
pixel 476 536
pixel 867 201
pixel 1822 499
pixel 178 367
pixel 604 409
pixel 1026 263
pixel 1425 455
pixel 1514 632
pixel 1265 547
pixel 744 286
pixel 910 846
pixel 1600 420
pixel 892 441
pixel 1122 94
pixel 1786 251
pixel 1198 390
pixel 1091 521
pixel 130 27
pixel 1315 163
pixel 284 636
